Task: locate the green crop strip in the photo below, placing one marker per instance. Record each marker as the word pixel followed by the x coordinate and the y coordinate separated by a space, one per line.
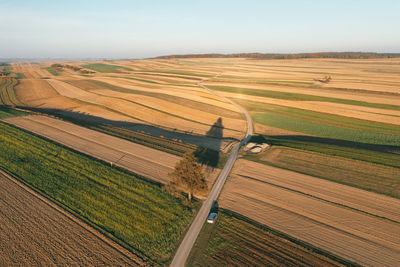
pixel 52 71
pixel 101 67
pixel 326 130
pixel 235 240
pixel 377 154
pixel 20 75
pixel 323 118
pixel 7 92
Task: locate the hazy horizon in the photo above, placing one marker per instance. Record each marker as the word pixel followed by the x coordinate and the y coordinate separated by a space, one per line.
pixel 135 29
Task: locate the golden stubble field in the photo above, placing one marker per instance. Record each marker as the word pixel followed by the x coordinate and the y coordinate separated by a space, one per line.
pixel 128 96
pixel 357 225
pixel 143 89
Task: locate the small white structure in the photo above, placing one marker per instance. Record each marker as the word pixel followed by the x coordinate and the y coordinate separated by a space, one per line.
pixel 264 146
pixel 249 146
pixel 256 149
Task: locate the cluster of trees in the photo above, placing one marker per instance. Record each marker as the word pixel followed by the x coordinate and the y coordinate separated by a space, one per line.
pixel 4 70
pixel 326 79
pixel 72 67
pixel 344 55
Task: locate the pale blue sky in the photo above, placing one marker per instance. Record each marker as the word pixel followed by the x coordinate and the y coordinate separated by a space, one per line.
pixel 137 29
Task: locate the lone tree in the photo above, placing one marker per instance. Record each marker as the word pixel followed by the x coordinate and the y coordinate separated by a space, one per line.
pixel 189 175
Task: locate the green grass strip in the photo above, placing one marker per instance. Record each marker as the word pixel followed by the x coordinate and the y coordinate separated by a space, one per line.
pixel 326 130
pixel 20 75
pixel 323 118
pixel 53 72
pixel 377 154
pixel 101 67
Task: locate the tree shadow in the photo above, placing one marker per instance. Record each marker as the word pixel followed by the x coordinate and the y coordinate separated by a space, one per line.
pixel 208 156
pixel 210 143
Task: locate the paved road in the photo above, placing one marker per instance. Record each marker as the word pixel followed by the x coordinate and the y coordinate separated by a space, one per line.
pixel 186 246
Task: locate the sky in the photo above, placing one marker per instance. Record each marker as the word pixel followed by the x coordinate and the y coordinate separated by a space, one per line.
pixel 139 29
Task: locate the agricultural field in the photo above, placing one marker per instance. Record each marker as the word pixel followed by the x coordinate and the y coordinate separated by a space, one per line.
pixel 6 112
pixel 353 224
pixel 52 71
pixel 371 177
pixel 101 67
pixel 122 205
pixel 43 234
pixel 238 241
pixel 331 122
pixel 7 92
pixel 148 162
pixel 161 118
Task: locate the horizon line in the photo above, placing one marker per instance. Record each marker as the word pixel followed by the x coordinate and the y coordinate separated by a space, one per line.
pixel 44 59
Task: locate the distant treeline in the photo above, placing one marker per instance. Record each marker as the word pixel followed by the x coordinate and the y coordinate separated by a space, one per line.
pixel 4 69
pixel 347 55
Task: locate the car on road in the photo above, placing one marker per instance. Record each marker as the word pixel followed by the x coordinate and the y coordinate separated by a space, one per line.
pixel 212 217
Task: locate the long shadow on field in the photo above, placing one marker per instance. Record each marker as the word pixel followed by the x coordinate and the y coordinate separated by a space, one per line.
pixel 209 156
pixel 284 139
pixel 211 142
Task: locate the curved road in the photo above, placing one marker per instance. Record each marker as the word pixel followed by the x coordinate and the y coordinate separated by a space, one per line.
pixel 190 238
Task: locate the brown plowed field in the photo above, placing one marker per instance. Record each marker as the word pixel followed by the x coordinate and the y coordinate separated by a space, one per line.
pixel 34 231
pixel 343 220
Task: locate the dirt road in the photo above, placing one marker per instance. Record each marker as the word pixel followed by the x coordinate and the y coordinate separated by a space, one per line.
pixel 361 226
pixel 34 231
